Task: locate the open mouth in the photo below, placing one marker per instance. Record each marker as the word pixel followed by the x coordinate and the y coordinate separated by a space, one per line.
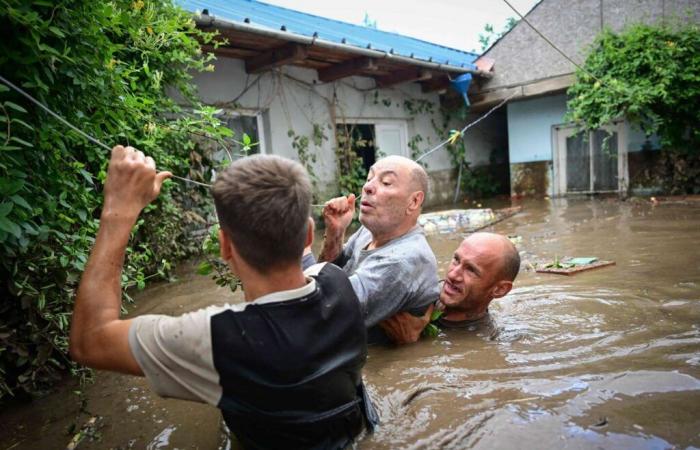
pixel 451 289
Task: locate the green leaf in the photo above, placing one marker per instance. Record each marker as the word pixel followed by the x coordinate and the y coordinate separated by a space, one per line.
pixel 5 209
pixel 14 106
pixel 57 31
pixel 21 202
pixel 246 140
pixel 21 141
pixel 4 88
pixel 10 227
pixel 436 314
pixel 204 268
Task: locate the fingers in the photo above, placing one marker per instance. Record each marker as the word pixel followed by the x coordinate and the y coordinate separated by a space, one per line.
pixel 160 178
pixel 340 205
pixel 150 163
pixel 351 202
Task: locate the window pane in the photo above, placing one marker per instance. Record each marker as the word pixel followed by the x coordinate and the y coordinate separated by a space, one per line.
pixel 578 177
pixel 605 160
pixel 241 125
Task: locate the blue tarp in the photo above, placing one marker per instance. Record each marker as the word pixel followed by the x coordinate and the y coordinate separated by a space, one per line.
pixel 273 17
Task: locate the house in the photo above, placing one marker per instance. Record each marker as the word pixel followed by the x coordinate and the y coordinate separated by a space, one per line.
pixel 545 155
pixel 311 88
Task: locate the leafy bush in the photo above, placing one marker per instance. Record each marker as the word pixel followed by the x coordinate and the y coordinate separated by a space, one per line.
pixel 651 76
pixel 108 68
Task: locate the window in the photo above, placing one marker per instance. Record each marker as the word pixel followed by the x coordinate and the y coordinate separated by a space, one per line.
pixel 240 123
pixel 589 162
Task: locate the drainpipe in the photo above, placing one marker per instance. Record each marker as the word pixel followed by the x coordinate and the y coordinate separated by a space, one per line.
pixel 209 21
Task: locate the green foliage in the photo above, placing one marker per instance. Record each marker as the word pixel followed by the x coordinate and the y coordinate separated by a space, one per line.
pixel 301 144
pixel 472 182
pixel 432 329
pixel 650 76
pixel 490 35
pixel 213 265
pixel 351 171
pixel 105 67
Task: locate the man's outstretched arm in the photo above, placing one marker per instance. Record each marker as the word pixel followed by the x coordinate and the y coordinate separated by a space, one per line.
pixel 98 338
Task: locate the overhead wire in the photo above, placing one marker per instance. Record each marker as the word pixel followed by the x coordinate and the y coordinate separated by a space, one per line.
pixel 561 52
pixel 76 129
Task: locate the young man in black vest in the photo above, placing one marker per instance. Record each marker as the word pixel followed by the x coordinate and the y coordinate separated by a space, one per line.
pixel 284 367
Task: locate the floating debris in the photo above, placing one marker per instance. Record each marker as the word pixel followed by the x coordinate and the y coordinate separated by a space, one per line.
pixel 463 220
pixel 571 266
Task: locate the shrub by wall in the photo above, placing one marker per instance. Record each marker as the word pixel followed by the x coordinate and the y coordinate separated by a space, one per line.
pixel 108 68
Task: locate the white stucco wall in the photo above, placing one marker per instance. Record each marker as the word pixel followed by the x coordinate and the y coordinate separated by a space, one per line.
pixel 286 103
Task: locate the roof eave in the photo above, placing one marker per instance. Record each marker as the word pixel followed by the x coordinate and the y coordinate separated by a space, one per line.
pixel 210 21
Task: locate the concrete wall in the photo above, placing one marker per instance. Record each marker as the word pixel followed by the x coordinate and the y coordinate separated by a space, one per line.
pixel 530 127
pixel 530 143
pixel 291 98
pixel 522 56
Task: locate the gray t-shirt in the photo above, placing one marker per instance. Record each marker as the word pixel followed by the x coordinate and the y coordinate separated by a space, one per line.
pixel 399 276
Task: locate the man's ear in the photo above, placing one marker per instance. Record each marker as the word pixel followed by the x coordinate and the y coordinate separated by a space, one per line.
pixel 225 246
pixel 309 236
pixel 501 288
pixel 415 201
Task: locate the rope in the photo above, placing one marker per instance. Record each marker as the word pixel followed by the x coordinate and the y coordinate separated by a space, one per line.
pixel 76 129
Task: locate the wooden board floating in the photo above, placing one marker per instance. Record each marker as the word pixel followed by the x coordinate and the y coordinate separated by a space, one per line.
pixel 576 269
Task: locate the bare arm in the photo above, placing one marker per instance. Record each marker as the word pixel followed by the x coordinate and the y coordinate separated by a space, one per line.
pixel 98 338
pixel 337 215
pixel 404 327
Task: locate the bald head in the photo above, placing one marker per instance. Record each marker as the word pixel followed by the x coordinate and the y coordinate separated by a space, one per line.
pixel 500 245
pixel 392 197
pixel 418 177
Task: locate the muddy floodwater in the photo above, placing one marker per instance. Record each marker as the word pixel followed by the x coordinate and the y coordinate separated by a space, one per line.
pixel 604 359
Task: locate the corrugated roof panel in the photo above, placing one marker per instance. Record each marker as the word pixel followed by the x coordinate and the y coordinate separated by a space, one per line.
pixel 275 17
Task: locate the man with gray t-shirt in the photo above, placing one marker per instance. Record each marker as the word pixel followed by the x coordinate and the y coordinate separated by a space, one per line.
pixel 391 267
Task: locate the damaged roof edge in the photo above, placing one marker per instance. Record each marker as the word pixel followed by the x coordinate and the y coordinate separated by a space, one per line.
pixel 210 21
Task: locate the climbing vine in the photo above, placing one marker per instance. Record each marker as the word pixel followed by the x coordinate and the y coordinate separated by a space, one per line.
pixel 104 66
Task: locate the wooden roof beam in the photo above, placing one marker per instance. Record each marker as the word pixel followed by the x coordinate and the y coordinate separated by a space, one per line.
pixel 357 66
pixel 439 83
pixel 280 56
pixel 403 76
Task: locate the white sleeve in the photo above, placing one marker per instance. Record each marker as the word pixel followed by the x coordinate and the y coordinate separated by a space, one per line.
pixel 175 354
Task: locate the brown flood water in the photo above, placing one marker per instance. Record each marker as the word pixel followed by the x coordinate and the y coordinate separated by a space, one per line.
pixel 604 359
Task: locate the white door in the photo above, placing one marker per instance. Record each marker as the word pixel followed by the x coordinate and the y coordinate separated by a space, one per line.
pixel 391 139
pixel 589 162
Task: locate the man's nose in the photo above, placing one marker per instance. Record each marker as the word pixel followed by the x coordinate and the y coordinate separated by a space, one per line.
pixel 368 187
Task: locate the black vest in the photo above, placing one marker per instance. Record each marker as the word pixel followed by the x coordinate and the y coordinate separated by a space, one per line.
pixel 291 370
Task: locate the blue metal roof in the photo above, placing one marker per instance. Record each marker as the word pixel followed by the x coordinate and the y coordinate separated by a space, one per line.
pixel 273 17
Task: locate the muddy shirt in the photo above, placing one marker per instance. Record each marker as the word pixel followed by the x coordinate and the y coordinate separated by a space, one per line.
pixel 285 370
pixel 401 275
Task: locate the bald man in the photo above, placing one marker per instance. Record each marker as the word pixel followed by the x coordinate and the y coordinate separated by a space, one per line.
pixel 390 264
pixel 482 269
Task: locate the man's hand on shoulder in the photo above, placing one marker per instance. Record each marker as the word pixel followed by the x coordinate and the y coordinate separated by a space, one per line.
pixel 404 327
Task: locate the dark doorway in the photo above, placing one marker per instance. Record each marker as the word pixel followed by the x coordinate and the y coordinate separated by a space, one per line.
pixel 360 138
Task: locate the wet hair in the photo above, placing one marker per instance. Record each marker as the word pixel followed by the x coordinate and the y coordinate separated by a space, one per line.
pixel 511 262
pixel 263 203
